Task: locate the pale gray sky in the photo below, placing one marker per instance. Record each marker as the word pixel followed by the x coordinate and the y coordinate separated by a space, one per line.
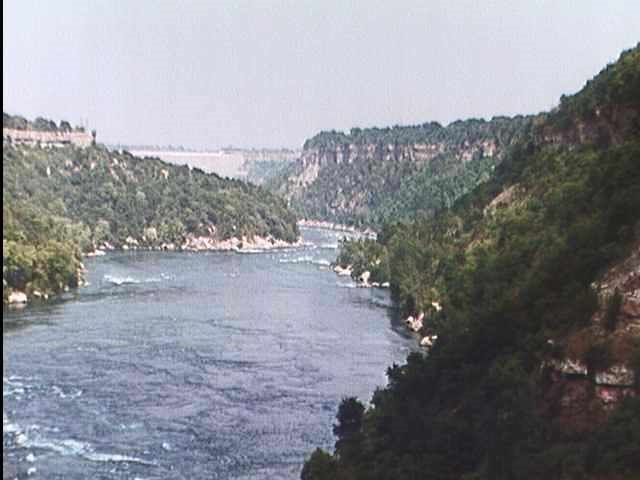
pixel 272 73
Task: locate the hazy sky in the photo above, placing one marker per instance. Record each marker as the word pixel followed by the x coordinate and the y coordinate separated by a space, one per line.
pixel 272 73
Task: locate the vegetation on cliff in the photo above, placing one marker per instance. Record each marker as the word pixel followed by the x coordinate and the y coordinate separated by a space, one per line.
pixel 117 195
pixel 514 264
pixel 374 175
pixel 365 255
pixel 41 251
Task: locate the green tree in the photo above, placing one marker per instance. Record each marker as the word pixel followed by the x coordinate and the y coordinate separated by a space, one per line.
pixel 321 466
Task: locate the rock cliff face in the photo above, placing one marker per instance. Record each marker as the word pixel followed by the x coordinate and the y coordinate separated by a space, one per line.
pixel 419 153
pixel 606 126
pixel 535 369
pixel 362 176
pixel 581 389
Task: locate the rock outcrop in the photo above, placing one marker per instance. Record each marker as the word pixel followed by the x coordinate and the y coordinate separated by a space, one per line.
pixel 17 298
pixel 343 271
pixel 415 323
pixel 363 279
pixel 579 395
pixel 95 253
pixel 616 376
pixel 428 341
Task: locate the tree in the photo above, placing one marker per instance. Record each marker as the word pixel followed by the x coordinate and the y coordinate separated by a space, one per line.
pixel 350 415
pixel 44 125
pixel 321 466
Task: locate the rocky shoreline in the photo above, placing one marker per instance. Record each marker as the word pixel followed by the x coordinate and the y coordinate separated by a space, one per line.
pixel 19 298
pixel 193 243
pixel 362 281
pixel 417 324
pixel 414 323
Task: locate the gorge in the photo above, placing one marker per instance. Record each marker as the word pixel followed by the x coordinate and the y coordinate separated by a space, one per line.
pixel 213 338
pixel 526 293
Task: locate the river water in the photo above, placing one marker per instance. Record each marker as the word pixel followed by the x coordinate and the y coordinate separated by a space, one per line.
pixel 192 365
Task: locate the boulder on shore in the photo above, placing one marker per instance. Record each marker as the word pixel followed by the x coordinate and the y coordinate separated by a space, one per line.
pixel 415 324
pixel 428 341
pixel 16 297
pixel 343 272
pixel 131 241
pixel 364 279
pixel 150 234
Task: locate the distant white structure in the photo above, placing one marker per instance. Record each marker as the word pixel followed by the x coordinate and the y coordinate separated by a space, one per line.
pixel 48 138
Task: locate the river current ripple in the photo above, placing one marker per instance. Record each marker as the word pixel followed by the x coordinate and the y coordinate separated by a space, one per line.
pixel 192 365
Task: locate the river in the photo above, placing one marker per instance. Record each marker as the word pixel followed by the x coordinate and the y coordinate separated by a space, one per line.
pixel 192 365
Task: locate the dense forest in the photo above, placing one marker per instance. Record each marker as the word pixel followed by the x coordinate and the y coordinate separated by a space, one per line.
pixel 41 252
pixel 537 273
pixel 58 202
pixel 373 175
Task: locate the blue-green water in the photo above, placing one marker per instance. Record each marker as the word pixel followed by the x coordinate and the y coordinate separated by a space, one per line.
pixel 192 365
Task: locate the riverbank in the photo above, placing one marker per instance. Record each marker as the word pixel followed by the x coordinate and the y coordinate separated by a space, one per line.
pixel 193 243
pixel 18 298
pixel 416 324
pixel 361 280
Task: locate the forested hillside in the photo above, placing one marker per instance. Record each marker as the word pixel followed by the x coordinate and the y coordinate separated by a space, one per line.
pixel 536 274
pixel 373 175
pixel 60 201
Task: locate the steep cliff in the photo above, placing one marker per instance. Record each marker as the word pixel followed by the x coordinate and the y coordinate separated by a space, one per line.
pixel 370 175
pixel 536 274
